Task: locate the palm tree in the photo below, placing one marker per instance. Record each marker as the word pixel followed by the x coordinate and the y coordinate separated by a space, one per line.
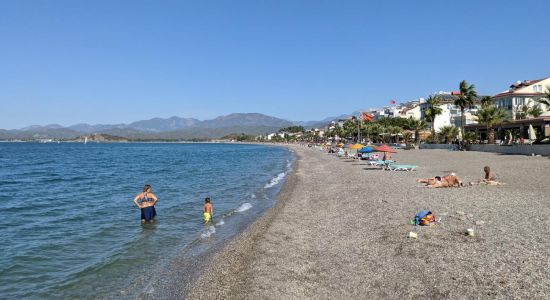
pixel 416 126
pixel 546 99
pixel 432 112
pixel 490 116
pixel 535 111
pixel 486 101
pixel 394 131
pixel 350 128
pixel 521 112
pixel 465 99
pixel 448 133
pixel 375 131
pixel 469 137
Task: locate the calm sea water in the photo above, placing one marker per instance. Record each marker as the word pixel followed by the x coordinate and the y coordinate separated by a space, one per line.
pixel 69 227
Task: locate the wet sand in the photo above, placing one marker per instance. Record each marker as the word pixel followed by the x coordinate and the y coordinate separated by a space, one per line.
pixel 340 231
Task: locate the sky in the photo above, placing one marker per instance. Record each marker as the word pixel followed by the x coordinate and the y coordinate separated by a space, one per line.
pixel 105 62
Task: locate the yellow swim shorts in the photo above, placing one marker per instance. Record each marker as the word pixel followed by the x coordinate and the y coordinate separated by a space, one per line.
pixel 206 217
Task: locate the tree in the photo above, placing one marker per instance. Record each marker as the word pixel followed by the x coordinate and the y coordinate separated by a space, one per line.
pixel 350 128
pixel 432 112
pixel 394 131
pixel 416 126
pixel 535 111
pixel 546 99
pixel 465 99
pixel 486 101
pixel 292 129
pixel 470 137
pixel 491 116
pixel 448 133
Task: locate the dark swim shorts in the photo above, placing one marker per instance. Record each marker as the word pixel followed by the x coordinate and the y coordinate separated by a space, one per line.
pixel 148 213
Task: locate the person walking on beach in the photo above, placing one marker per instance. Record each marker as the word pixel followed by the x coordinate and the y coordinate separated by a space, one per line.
pixel 146 202
pixel 207 210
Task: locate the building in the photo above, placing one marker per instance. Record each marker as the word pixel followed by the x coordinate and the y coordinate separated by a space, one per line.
pixel 518 128
pixel 520 94
pixel 451 114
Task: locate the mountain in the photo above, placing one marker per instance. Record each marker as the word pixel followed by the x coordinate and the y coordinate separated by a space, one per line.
pixel 42 128
pixel 87 128
pixel 324 122
pixel 43 133
pixel 248 119
pixel 159 124
pixel 170 128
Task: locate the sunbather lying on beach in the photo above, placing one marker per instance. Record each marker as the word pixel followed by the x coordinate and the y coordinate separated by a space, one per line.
pixel 489 179
pixel 450 180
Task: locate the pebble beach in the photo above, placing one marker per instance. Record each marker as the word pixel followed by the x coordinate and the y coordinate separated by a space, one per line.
pixel 340 230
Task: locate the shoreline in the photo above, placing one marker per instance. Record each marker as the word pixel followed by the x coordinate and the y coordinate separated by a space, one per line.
pixel 353 242
pixel 235 255
pixel 176 279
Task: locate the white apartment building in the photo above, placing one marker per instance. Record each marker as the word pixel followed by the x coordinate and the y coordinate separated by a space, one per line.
pixel 522 93
pixel 451 113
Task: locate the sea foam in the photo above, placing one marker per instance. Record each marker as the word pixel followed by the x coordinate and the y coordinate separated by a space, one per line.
pixel 211 230
pixel 244 207
pixel 275 180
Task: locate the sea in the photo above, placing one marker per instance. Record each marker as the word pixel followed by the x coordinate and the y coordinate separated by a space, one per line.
pixel 70 229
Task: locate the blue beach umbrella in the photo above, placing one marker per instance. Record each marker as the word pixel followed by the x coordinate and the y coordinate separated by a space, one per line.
pixel 366 149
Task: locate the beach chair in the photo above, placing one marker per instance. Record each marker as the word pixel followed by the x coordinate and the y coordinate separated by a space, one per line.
pixel 399 167
pixel 380 162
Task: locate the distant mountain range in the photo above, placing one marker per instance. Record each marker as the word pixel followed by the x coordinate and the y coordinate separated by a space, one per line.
pixel 174 128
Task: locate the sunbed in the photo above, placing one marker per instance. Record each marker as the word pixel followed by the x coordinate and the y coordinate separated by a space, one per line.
pixel 380 162
pixel 396 167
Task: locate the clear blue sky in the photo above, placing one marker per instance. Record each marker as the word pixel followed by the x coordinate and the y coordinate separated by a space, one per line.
pixel 119 61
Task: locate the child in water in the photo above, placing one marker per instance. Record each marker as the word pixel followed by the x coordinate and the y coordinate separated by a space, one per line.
pixel 207 210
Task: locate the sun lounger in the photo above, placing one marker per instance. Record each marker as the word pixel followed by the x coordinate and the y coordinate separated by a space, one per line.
pixel 396 167
pixel 380 162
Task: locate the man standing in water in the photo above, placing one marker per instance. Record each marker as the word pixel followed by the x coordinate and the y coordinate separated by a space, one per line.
pixel 207 210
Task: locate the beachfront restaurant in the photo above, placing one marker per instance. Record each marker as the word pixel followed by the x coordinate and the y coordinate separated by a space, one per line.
pixel 518 128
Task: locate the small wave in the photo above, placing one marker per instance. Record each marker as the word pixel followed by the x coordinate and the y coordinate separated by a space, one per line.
pixel 253 196
pixel 275 180
pixel 220 223
pixel 244 207
pixel 210 231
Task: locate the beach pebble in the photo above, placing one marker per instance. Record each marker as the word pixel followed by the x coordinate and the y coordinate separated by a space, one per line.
pixel 470 216
pixel 480 222
pixel 413 235
pixel 458 212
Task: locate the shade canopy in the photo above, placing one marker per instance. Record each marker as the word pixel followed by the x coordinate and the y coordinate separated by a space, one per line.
pixel 356 146
pixel 366 149
pixel 385 148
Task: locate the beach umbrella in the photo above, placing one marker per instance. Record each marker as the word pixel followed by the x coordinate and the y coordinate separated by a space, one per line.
pixel 385 148
pixel 532 133
pixel 366 149
pixel 356 146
